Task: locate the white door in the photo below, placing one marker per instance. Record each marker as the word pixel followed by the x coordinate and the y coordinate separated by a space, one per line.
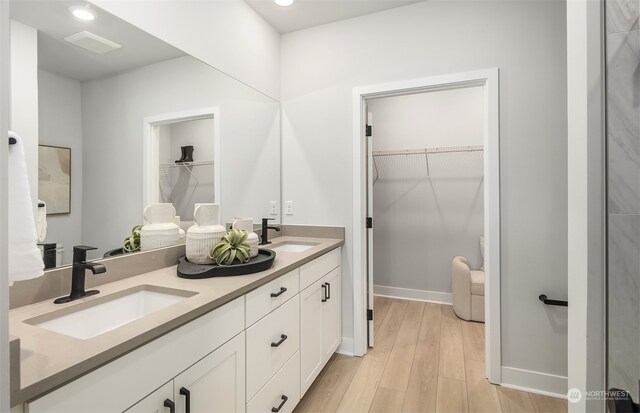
pixel 331 319
pixel 311 308
pixel 370 178
pixel 216 383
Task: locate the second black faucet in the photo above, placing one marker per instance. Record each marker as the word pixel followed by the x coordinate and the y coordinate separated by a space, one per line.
pixel 265 230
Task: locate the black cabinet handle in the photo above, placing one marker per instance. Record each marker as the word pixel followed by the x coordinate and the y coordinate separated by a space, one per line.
pixel 187 402
pixel 171 405
pixel 324 292
pixel 277 409
pixel 282 291
pixel 283 337
pixel 328 291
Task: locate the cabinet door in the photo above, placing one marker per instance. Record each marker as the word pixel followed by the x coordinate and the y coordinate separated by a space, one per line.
pixel 215 383
pixel 155 402
pixel 331 317
pixel 311 354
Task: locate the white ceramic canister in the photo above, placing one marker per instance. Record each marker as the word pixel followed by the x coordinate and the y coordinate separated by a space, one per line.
pixel 204 234
pixel 246 224
pixel 160 229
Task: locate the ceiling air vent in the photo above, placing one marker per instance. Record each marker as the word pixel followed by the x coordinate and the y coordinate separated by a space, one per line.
pixel 92 42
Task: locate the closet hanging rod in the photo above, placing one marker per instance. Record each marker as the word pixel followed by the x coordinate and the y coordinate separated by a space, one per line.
pixel 426 151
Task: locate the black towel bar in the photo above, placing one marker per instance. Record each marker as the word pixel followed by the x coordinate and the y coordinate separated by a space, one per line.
pixel 547 301
pixel 12 141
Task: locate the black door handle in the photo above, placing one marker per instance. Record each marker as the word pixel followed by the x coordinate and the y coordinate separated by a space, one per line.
pixel 278 294
pixel 187 402
pixel 547 301
pixel 328 291
pixel 324 292
pixel 277 409
pixel 283 337
pixel 171 405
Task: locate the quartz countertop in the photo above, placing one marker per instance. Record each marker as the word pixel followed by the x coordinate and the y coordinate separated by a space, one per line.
pixel 49 359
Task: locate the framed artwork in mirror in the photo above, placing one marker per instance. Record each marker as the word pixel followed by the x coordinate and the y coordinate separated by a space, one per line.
pixel 54 178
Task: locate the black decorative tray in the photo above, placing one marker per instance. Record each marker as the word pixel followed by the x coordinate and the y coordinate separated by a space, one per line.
pixel 263 261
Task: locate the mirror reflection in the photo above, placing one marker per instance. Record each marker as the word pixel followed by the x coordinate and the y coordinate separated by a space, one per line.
pixel 114 119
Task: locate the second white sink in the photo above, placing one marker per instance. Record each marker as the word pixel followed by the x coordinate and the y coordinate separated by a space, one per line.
pixel 294 246
pixel 102 314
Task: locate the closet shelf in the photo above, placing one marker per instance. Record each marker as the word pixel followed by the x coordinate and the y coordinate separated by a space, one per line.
pixel 186 164
pixel 379 156
pixel 427 151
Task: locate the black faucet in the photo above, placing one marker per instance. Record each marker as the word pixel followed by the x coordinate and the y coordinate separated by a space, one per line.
pixel 265 230
pixel 80 265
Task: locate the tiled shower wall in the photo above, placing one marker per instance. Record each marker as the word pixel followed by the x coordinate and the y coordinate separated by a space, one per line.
pixel 623 135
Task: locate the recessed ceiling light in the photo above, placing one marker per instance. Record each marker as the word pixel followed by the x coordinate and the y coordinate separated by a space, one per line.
pixel 284 3
pixel 82 13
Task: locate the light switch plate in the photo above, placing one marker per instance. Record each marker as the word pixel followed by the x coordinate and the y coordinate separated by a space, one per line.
pixel 288 207
pixel 274 208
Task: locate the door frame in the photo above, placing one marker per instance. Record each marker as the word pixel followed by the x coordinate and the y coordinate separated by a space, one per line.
pixel 151 149
pixel 489 79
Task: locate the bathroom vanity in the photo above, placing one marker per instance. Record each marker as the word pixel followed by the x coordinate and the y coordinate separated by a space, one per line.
pixel 247 343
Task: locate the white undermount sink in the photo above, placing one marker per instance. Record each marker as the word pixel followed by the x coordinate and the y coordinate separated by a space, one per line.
pixel 102 314
pixel 291 246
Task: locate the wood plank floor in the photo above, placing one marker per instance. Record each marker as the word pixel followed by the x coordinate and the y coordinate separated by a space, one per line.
pixel 425 359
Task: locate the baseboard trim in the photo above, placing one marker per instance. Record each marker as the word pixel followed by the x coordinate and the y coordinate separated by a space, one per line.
pixel 410 294
pixel 346 347
pixel 535 382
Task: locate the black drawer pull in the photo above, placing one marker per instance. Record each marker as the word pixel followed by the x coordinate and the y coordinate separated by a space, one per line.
pixel 324 292
pixel 277 409
pixel 283 337
pixel 282 291
pixel 171 405
pixel 328 291
pixel 187 402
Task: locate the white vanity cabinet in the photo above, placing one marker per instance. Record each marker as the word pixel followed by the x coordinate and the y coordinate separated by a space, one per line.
pixel 214 384
pixel 320 316
pixel 119 385
pixel 257 353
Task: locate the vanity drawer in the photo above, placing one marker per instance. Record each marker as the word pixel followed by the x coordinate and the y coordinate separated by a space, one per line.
pixel 286 383
pixel 316 269
pixel 267 348
pixel 270 296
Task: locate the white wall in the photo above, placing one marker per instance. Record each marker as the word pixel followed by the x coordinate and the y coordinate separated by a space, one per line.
pixel 526 40
pixel 228 35
pixel 60 124
pixel 114 110
pixel 177 184
pixel 24 97
pixel 423 221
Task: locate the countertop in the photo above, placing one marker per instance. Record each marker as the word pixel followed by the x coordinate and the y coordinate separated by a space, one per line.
pixel 50 359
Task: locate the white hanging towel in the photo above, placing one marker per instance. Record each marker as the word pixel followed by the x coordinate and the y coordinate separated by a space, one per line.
pixel 41 221
pixel 25 260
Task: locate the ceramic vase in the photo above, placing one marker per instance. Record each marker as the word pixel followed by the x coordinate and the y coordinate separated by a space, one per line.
pixel 246 224
pixel 183 234
pixel 204 234
pixel 160 229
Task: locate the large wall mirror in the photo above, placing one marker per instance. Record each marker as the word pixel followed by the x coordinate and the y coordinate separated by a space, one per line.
pixel 113 119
